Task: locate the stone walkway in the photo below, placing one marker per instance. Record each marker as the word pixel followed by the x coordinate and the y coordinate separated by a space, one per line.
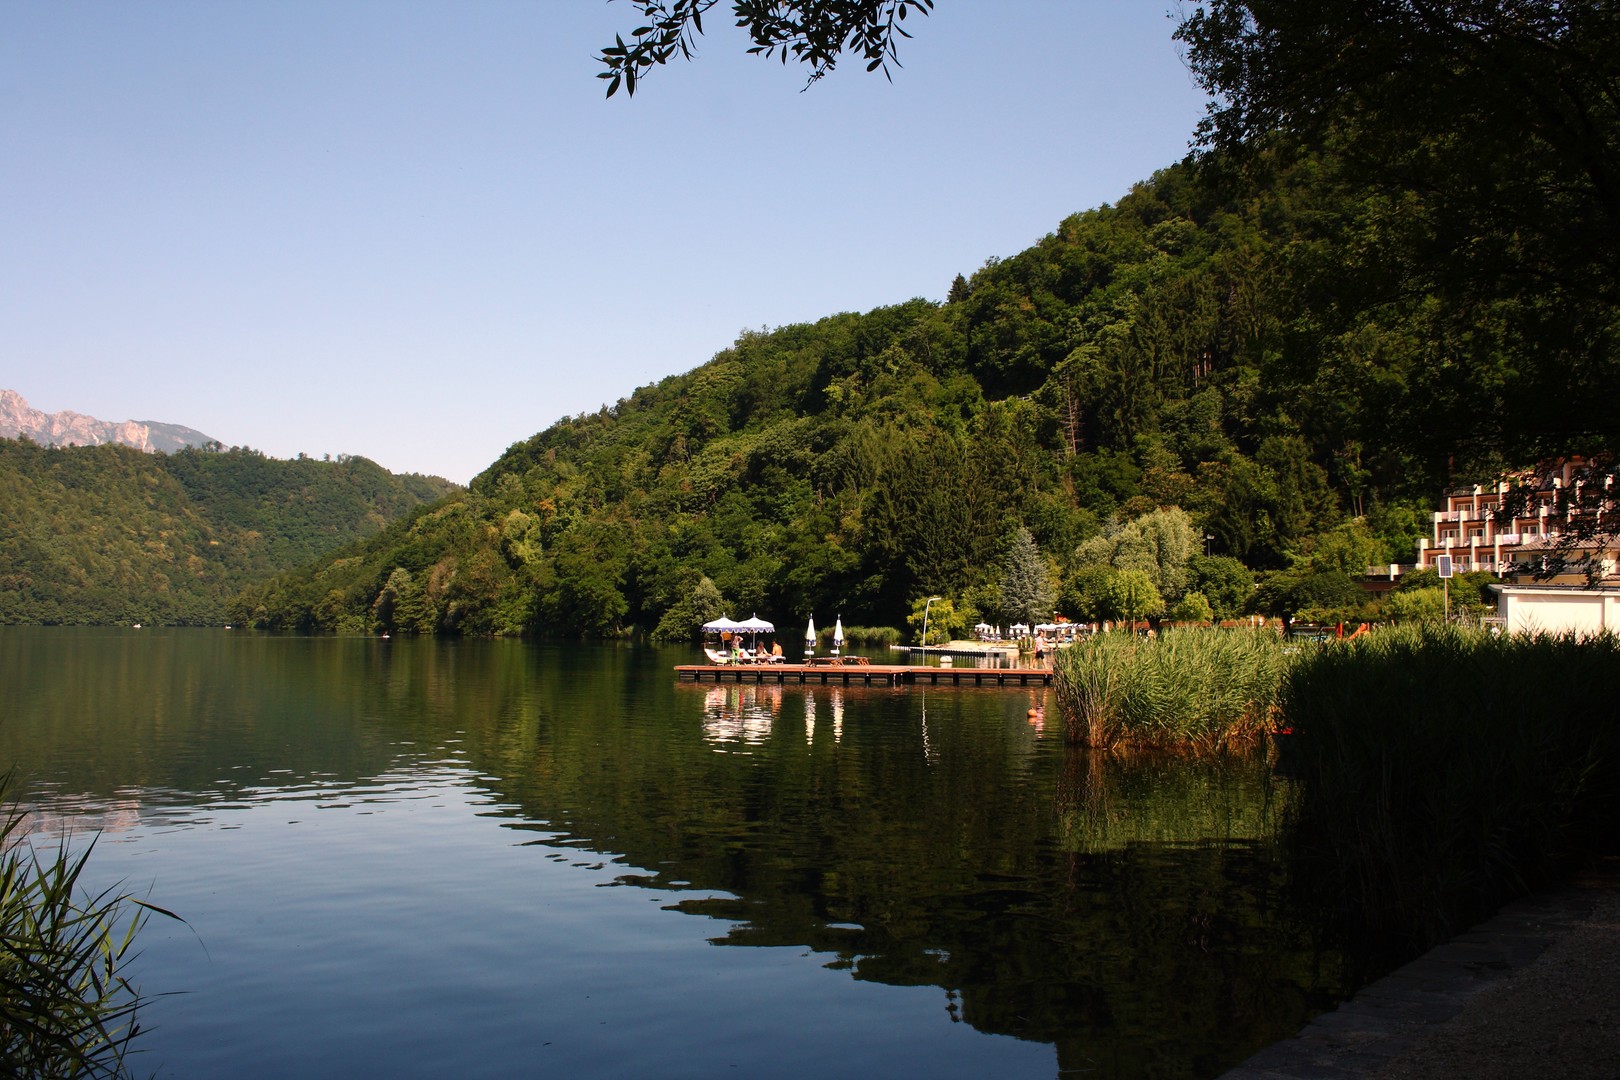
pixel 1533 992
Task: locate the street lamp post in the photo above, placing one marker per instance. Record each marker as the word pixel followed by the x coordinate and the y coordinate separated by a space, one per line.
pixel 926 606
pixel 1209 538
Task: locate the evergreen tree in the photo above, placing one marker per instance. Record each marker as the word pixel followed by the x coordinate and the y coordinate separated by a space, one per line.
pixel 1026 581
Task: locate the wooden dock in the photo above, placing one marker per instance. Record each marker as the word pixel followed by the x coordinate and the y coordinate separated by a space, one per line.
pixel 862 675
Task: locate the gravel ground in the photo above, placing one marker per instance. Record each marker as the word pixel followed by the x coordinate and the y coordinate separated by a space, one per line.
pixel 1533 992
pixel 1559 1016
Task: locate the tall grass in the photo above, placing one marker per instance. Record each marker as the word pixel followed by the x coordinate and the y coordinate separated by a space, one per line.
pixel 1439 771
pixel 66 1007
pixel 1188 689
pixel 1443 771
pixel 868 637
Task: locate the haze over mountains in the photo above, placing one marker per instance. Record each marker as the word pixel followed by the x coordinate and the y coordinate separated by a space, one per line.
pixel 18 419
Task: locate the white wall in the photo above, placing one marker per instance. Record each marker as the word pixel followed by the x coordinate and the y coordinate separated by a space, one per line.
pixel 1550 610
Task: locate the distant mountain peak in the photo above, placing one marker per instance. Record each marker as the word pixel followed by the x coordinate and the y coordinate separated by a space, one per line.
pixel 18 419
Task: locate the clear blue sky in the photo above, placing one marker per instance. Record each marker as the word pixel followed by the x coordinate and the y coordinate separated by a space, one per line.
pixel 416 231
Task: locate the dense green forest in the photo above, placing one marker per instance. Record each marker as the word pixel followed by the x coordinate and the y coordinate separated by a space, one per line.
pixel 1181 370
pixel 92 534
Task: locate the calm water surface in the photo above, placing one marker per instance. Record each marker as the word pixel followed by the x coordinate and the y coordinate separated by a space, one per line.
pixel 420 858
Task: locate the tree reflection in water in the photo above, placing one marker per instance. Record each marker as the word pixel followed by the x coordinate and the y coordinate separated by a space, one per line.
pixel 1131 911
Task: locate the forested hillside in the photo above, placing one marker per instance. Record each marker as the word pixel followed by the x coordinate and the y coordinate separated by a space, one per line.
pixel 1243 348
pixel 110 534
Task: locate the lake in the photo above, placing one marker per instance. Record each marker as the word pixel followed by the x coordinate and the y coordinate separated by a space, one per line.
pixel 419 858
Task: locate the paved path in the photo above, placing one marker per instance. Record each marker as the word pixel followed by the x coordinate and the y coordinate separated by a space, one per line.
pixel 1533 992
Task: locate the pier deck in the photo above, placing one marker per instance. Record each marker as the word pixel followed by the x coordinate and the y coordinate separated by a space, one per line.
pixel 862 675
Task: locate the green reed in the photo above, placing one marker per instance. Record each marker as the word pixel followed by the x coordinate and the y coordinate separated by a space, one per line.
pixel 870 637
pixel 1184 689
pixel 66 1007
pixel 1443 771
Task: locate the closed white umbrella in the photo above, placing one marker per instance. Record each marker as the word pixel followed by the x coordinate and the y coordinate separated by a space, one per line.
pixel 810 637
pixel 838 635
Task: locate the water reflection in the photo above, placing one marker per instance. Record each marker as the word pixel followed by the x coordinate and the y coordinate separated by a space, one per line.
pixel 64 817
pixel 1128 912
pixel 745 714
pixel 1109 801
pixel 835 703
pixel 736 713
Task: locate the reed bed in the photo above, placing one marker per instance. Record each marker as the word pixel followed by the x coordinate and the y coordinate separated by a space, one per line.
pixel 1443 771
pixel 869 637
pixel 66 1008
pixel 1190 689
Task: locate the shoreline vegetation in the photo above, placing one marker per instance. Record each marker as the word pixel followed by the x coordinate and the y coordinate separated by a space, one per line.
pixel 1437 772
pixel 67 1007
pixel 1199 690
pixel 1441 772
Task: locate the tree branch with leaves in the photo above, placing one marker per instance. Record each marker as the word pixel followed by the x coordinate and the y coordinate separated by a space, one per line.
pixel 816 33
